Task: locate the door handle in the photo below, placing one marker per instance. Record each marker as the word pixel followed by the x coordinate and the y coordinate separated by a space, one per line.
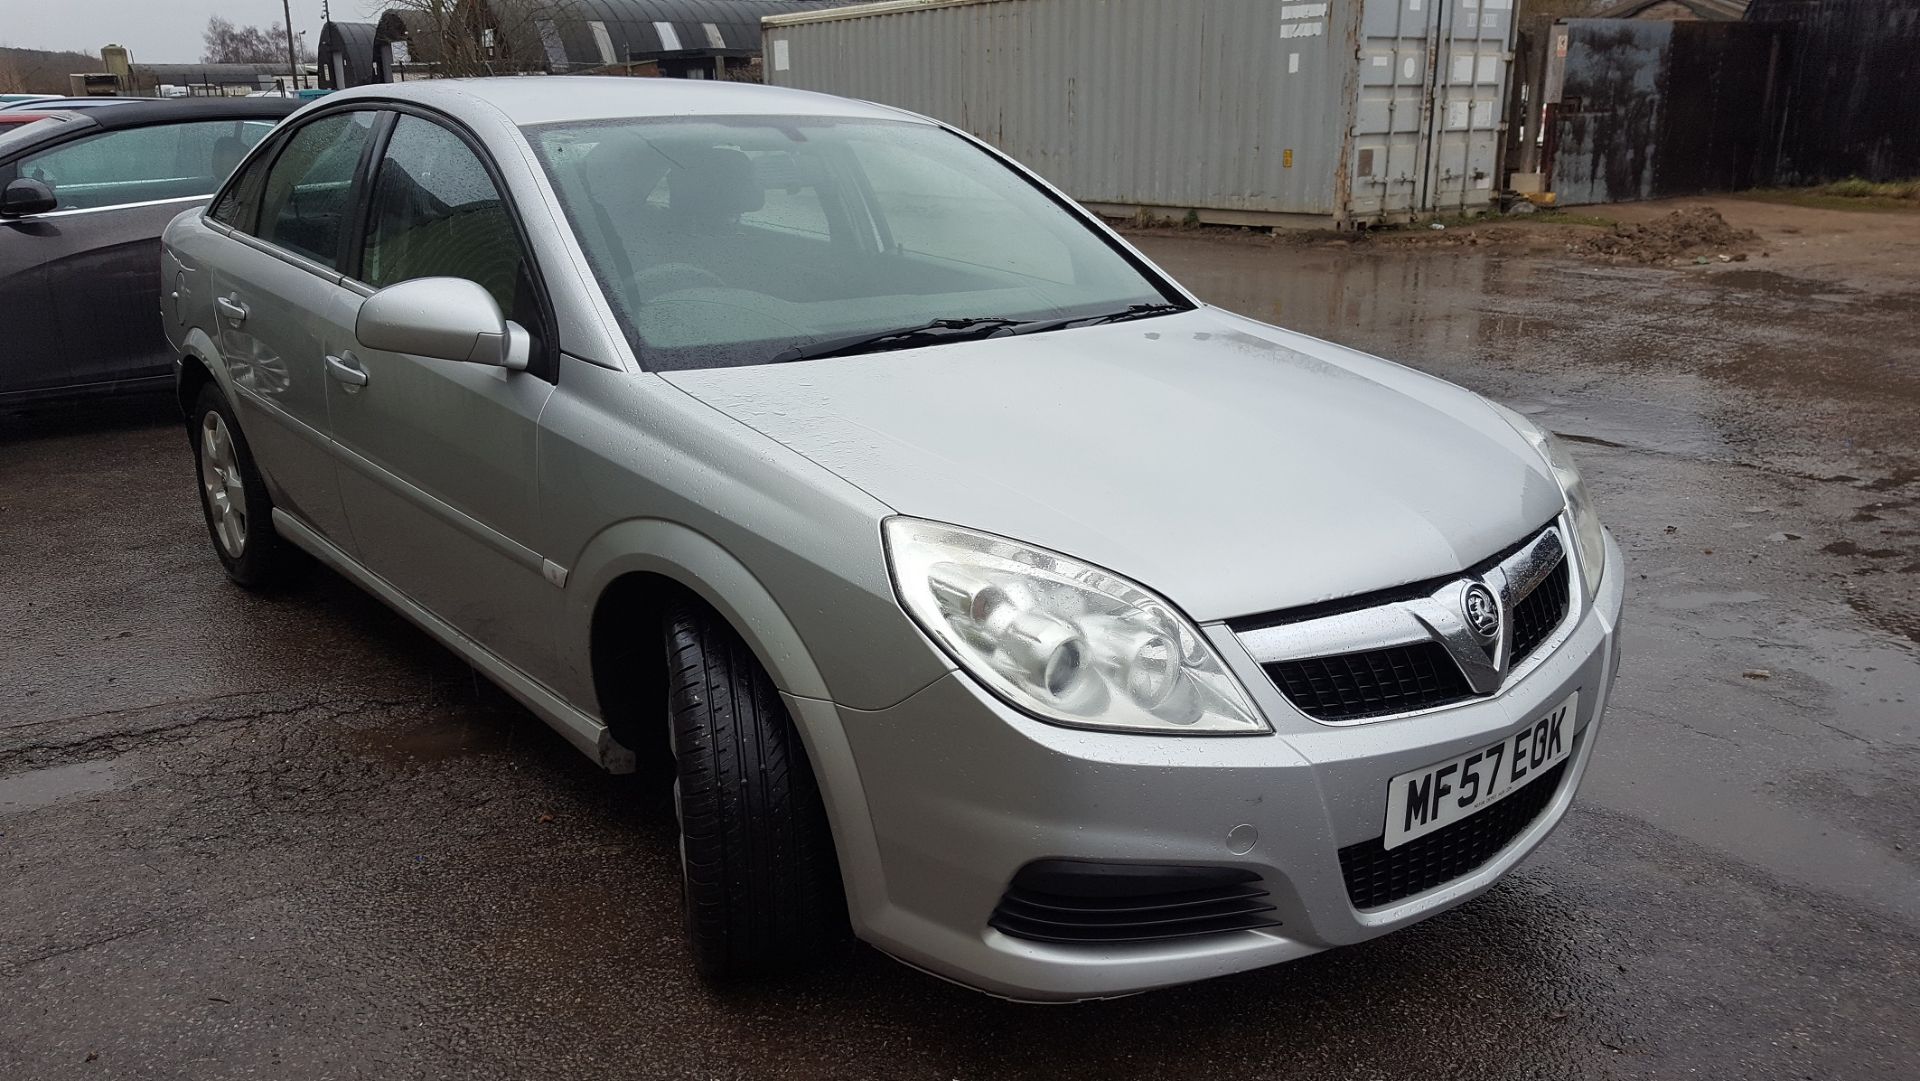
pixel 347 370
pixel 235 311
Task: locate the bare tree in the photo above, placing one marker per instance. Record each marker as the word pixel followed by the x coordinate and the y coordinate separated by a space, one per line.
pixel 460 38
pixel 231 44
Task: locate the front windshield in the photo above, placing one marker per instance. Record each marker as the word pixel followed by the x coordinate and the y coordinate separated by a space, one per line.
pixel 730 241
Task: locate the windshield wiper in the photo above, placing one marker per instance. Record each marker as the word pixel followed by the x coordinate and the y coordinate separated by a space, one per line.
pixel 1131 311
pixel 961 329
pixel 938 330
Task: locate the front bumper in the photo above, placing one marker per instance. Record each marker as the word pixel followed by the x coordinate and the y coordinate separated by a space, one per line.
pixel 961 792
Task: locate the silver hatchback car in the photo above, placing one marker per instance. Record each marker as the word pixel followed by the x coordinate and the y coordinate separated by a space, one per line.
pixel 1062 635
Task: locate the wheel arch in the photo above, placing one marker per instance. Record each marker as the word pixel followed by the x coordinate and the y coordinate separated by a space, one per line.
pixel 633 558
pixel 630 571
pixel 198 367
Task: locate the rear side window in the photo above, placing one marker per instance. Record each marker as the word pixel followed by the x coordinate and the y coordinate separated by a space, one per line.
pixel 307 197
pixel 436 213
pixel 140 165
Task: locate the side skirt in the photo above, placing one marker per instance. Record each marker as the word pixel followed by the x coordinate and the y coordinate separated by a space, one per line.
pixel 589 735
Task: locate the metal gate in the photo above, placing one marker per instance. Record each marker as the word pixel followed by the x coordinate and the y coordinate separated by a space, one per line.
pixel 1427 122
pixel 1646 110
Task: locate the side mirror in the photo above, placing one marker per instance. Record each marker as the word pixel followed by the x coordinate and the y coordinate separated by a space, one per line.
pixel 26 196
pixel 443 318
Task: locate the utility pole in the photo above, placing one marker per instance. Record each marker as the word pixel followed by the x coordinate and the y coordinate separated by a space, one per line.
pixel 293 58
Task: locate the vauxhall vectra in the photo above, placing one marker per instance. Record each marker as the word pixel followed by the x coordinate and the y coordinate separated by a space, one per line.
pixel 990 594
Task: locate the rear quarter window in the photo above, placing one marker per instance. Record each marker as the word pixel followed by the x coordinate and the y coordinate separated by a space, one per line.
pixel 237 204
pixel 308 192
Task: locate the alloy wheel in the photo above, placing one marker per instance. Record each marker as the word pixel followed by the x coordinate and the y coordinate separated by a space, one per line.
pixel 220 484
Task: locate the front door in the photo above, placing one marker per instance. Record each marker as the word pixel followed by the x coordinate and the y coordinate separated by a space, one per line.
pixel 438 455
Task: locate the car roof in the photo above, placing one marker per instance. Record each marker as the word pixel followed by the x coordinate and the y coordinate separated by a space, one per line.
pixel 162 110
pixel 549 99
pixel 70 103
pixel 38 132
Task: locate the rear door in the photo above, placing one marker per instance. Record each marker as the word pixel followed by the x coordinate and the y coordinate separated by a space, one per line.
pixel 438 455
pixel 31 359
pixel 273 287
pixel 99 251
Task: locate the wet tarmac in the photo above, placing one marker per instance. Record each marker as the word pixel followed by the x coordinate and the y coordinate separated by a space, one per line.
pixel 291 838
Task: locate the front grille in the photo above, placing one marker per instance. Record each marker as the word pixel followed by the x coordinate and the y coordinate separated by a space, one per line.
pixel 1540 611
pixel 1405 677
pixel 1377 876
pixel 1351 686
pixel 1079 902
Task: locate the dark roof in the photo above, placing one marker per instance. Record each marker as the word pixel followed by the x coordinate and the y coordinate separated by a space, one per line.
pixel 349 35
pixel 143 112
pixel 413 27
pixel 353 42
pixel 1705 10
pixel 634 29
pixel 737 20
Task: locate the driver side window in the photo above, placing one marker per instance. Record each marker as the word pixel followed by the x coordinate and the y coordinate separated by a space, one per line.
pixel 437 213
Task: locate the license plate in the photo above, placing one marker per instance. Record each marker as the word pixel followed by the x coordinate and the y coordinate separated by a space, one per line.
pixel 1444 793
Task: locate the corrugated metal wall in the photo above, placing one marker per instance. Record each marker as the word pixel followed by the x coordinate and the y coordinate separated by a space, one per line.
pixel 1245 110
pixel 1222 104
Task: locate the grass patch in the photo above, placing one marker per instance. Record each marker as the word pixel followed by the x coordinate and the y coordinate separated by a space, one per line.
pixel 1852 193
pixel 1855 188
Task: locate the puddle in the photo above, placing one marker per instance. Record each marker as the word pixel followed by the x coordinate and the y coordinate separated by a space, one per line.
pixel 1774 283
pixel 1848 548
pixel 432 740
pixel 40 787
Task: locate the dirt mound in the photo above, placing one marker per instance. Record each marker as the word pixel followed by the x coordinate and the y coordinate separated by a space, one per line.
pixel 1677 237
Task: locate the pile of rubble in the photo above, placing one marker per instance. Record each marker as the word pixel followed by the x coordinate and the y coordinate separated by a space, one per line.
pixel 1696 234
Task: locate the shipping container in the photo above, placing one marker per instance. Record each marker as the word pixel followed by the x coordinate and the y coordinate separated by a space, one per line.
pixel 1240 112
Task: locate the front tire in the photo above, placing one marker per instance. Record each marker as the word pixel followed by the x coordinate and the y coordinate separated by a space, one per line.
pixel 762 886
pixel 233 498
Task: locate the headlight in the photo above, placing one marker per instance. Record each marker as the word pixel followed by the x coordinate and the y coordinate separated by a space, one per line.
pixel 1064 641
pixel 1589 541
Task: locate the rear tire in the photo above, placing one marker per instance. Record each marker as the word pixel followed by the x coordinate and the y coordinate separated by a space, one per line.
pixel 762 886
pixel 233 498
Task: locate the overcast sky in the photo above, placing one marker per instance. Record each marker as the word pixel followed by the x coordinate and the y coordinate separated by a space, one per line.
pixel 158 31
